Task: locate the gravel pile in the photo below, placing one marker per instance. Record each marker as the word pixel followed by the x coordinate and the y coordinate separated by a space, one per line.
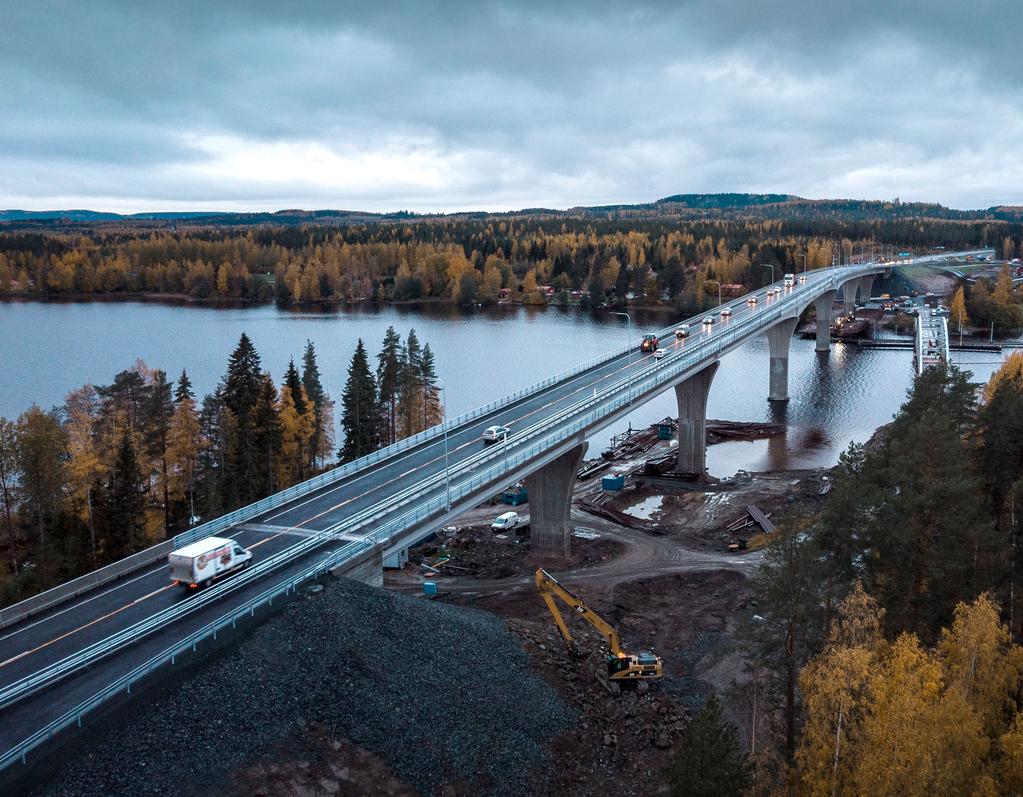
pixel 441 694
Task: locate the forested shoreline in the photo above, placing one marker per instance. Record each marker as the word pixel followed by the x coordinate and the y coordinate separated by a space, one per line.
pixel 118 467
pixel 590 262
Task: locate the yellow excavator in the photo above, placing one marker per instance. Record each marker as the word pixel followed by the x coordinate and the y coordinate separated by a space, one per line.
pixel 637 669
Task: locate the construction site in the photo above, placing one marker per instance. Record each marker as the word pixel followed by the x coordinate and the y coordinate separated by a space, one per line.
pixel 498 676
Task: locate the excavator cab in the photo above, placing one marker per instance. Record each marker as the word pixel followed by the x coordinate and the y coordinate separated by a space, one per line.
pixel 622 667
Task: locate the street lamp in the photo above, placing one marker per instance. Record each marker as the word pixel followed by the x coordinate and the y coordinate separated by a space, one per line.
pixel 803 255
pixel 628 332
pixel 447 472
pixel 715 282
pixel 770 266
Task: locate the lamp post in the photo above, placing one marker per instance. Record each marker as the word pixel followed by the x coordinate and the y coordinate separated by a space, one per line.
pixel 715 282
pixel 803 255
pixel 628 332
pixel 447 472
pixel 770 266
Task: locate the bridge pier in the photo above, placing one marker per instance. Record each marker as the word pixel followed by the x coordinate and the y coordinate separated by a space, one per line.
pixel 866 286
pixel 550 506
pixel 778 338
pixel 692 420
pixel 849 296
pixel 823 305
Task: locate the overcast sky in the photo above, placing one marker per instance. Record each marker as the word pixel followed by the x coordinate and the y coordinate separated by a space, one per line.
pixel 132 106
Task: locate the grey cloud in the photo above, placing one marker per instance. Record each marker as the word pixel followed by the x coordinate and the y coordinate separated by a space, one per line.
pixel 517 103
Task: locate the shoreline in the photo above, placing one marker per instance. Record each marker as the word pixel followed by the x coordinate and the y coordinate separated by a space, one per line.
pixel 182 299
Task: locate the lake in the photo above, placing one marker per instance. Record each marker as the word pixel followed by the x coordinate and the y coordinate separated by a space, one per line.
pixel 50 348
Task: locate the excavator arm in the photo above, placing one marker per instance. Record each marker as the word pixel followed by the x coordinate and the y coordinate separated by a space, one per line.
pixel 550 589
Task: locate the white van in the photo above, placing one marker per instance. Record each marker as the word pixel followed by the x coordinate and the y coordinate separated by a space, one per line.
pixel 508 520
pixel 790 280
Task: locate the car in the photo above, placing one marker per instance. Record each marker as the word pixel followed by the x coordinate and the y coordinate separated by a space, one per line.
pixel 494 434
pixel 682 331
pixel 802 278
pixel 752 300
pixel 508 520
pixel 708 321
pixel 726 312
pixel 659 354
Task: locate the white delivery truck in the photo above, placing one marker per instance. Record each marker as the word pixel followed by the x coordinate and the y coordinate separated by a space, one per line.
pixel 201 562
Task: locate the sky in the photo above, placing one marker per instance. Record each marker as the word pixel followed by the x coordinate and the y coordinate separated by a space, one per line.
pixel 441 106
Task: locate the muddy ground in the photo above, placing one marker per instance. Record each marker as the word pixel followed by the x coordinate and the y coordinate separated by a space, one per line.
pixel 677 592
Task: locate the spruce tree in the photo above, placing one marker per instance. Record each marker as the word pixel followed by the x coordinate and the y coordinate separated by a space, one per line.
pixel 244 377
pixel 266 437
pixel 323 433
pixel 709 761
pixel 389 383
pixel 183 388
pixel 433 409
pixel 126 502
pixel 359 419
pixel 158 409
pixel 293 382
pixel 410 397
pixel 244 475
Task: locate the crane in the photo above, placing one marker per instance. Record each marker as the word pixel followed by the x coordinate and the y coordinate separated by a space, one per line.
pixel 622 667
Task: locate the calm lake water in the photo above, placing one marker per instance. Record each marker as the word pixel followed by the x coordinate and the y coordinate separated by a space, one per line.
pixel 48 349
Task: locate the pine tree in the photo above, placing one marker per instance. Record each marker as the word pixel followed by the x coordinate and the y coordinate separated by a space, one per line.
pixel 244 378
pixel 709 761
pixel 359 419
pixel 389 382
pixel 42 444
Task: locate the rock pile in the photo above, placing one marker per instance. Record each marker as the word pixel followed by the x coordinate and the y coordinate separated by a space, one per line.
pixel 441 694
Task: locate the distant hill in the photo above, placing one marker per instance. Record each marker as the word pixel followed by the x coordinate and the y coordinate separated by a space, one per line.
pixel 686 206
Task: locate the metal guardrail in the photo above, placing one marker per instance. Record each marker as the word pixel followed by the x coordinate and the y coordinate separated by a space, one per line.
pixel 588 412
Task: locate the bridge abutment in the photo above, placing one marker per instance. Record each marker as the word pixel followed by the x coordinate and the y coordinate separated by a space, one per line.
pixel 866 286
pixel 823 306
pixel 692 420
pixel 778 338
pixel 550 506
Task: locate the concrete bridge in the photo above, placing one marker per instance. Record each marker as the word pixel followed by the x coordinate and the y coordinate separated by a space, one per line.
pixel 67 652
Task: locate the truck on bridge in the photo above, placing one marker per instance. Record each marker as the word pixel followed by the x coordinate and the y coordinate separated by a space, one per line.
pixel 650 342
pixel 205 560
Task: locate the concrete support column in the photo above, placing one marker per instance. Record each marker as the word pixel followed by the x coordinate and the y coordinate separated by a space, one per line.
pixel 849 296
pixel 866 285
pixel 550 506
pixel 823 305
pixel 692 420
pixel 778 338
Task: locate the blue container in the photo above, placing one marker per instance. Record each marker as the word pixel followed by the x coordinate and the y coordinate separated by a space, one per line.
pixel 612 482
pixel 664 431
pixel 429 587
pixel 515 496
